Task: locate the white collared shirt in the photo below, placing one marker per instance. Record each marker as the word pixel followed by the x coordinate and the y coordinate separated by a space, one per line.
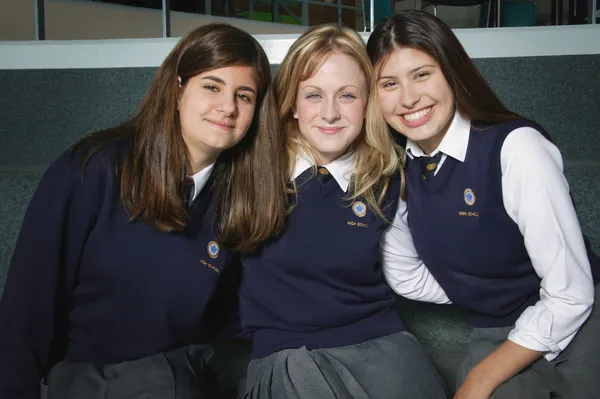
pixel 536 197
pixel 340 168
pixel 200 179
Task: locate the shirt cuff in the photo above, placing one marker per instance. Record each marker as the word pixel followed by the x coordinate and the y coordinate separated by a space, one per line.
pixel 533 331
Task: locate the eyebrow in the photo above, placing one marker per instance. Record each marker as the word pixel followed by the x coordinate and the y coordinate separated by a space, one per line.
pixel 221 81
pixel 409 72
pixel 340 89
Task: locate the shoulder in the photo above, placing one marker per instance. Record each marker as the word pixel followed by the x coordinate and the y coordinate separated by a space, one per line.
pixel 502 130
pixel 106 161
pixel 529 146
pixel 494 138
pixel 78 168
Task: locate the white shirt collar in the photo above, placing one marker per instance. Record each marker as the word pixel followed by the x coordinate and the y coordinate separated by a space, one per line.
pixel 454 143
pixel 200 179
pixel 340 168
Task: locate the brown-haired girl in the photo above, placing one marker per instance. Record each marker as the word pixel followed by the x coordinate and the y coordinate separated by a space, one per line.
pixel 130 230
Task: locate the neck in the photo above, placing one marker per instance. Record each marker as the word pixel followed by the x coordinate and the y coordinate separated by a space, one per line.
pixel 326 159
pixel 429 146
pixel 199 161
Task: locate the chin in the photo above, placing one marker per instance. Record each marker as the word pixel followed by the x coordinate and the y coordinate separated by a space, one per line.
pixel 221 145
pixel 330 156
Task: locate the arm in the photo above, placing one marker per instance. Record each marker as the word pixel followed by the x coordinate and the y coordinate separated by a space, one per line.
pixel 33 305
pixel 404 271
pixel 500 365
pixel 536 196
pixel 222 319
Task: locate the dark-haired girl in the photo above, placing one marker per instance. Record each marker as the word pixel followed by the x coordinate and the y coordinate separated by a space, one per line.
pixel 491 216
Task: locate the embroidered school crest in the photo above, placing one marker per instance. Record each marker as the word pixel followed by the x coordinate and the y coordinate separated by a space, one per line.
pixel 213 249
pixel 359 209
pixel 469 197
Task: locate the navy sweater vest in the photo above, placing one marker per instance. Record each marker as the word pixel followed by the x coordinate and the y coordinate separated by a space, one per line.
pixel 86 284
pixel 320 284
pixel 465 237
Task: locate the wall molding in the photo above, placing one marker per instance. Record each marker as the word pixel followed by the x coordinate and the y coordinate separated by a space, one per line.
pixel 128 53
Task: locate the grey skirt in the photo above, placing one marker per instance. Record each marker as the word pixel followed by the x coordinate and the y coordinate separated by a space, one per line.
pixel 573 374
pixel 182 373
pixel 395 367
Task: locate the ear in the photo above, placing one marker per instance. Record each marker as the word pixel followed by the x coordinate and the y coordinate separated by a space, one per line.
pixel 294 112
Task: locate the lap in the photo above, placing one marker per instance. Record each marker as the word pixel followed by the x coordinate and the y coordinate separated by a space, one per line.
pixel 577 365
pixel 569 376
pixel 178 374
pixel 532 383
pixel 389 367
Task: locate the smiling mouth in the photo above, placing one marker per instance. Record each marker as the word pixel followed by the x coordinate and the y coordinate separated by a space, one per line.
pixel 329 130
pixel 221 125
pixel 416 116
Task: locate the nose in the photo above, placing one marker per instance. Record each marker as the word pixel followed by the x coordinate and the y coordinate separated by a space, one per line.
pixel 409 96
pixel 228 106
pixel 330 111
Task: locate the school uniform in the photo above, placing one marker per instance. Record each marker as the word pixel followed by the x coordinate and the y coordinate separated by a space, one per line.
pixel 101 306
pixel 322 318
pixel 494 222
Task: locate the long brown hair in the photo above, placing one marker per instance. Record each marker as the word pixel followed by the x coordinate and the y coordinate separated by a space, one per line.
pixel 250 199
pixel 375 159
pixel 474 98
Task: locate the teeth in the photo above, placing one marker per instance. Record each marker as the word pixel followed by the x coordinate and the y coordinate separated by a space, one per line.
pixel 417 115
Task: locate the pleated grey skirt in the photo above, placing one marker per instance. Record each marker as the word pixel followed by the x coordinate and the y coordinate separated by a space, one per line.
pixel 182 373
pixel 395 367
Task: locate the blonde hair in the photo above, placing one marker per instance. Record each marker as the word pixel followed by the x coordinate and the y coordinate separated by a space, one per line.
pixel 377 157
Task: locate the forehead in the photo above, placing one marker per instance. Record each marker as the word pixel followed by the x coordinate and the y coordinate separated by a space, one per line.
pixel 405 59
pixel 234 75
pixel 336 70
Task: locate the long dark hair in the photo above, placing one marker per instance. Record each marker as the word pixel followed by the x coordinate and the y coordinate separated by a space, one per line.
pixel 250 198
pixel 473 97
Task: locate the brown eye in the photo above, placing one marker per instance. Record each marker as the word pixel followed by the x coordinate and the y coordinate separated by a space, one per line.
pixel 244 98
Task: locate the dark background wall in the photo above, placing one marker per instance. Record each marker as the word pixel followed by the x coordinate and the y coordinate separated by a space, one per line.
pixel 42 112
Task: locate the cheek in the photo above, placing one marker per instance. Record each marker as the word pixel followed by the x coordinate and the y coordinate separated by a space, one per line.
pixel 182 108
pixel 305 113
pixel 386 102
pixel 444 97
pixel 191 108
pixel 185 120
pixel 246 117
pixel 355 113
pixel 449 97
pixel 438 89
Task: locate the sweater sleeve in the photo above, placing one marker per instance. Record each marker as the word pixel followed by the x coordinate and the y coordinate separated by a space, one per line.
pixel 34 305
pixel 222 318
